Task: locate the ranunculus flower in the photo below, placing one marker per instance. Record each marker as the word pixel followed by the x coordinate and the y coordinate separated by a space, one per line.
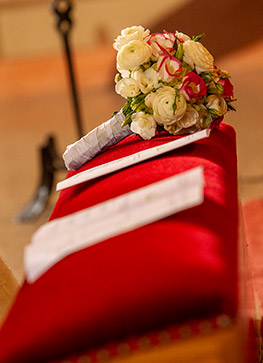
pixel 193 87
pixel 143 124
pixel 228 88
pixel 168 67
pixel 149 100
pixel 163 103
pixel 216 103
pixel 147 80
pixel 197 56
pixel 160 41
pixel 128 34
pixel 127 87
pixel 133 54
pixel 189 119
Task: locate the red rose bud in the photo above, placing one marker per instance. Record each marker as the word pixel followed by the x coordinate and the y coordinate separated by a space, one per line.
pixel 228 93
pixel 216 122
pixel 193 86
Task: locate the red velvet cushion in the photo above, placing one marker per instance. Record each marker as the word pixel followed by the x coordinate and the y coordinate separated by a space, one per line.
pixel 176 269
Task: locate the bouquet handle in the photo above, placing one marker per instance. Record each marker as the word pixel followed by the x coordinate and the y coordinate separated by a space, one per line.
pixel 95 142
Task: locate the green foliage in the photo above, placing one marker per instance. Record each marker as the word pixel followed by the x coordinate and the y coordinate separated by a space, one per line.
pixel 230 107
pixel 180 52
pixel 175 46
pixel 214 112
pixel 177 96
pixel 197 38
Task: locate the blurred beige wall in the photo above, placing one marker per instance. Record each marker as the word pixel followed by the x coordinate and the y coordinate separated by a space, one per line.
pixel 28 27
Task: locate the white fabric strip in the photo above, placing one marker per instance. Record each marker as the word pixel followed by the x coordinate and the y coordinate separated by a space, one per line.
pixel 96 141
pixel 61 237
pixel 130 160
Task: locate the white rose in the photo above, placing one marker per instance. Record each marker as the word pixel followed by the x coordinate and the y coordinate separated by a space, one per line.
pixel 189 119
pixel 133 54
pixel 164 111
pixel 127 87
pixel 143 124
pixel 147 80
pixel 197 56
pixel 182 36
pixel 217 103
pixel 124 72
pixel 128 34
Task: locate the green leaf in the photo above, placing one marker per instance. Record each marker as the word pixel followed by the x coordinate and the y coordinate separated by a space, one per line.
pixel 206 121
pixel 174 105
pixel 206 77
pixel 212 91
pixel 114 113
pixel 159 129
pixel 127 107
pixel 126 121
pixel 232 100
pixel 175 46
pixel 214 112
pixel 230 107
pixel 177 96
pixel 197 38
pixel 224 77
pixel 197 107
pixel 219 88
pixel 180 52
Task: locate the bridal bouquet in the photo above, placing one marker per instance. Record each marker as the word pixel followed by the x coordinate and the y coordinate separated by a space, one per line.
pixel 170 83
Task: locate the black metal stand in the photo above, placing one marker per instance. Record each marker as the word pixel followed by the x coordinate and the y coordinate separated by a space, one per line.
pixel 62 9
pixel 50 162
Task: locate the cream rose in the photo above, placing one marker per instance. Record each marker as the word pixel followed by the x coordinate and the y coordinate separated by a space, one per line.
pixel 128 34
pixel 189 119
pixel 133 54
pixel 127 87
pixel 164 111
pixel 147 80
pixel 143 124
pixel 197 56
pixel 217 103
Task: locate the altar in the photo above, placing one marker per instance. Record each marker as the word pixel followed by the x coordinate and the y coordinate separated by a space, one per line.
pixel 149 291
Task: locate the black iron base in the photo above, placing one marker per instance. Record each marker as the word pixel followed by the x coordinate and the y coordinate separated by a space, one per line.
pixel 50 163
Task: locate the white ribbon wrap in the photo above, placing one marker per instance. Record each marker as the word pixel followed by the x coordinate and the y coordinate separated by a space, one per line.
pixel 96 141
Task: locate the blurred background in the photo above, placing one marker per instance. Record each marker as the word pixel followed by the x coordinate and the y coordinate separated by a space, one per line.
pixel 35 100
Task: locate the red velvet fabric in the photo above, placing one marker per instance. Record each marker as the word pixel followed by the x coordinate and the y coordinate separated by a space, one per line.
pixel 176 269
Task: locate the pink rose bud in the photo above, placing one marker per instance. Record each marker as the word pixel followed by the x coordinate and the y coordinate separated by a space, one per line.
pixel 193 86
